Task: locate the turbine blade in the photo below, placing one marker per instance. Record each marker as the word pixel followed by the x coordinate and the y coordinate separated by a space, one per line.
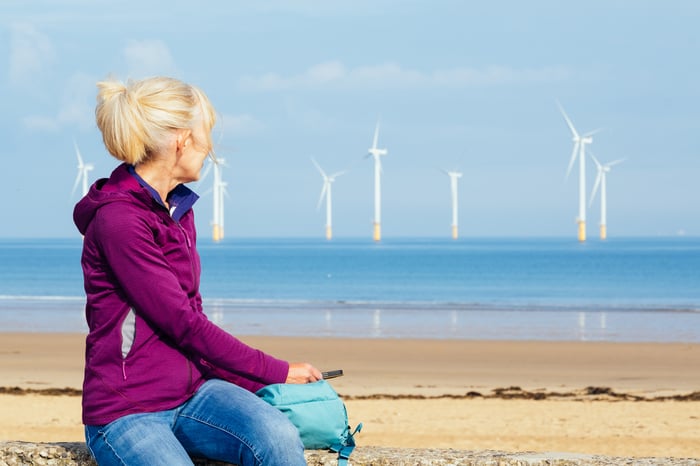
pixel 615 162
pixel 77 182
pixel 597 163
pixel 323 194
pixel 568 121
pixel 323 174
pixel 77 152
pixel 223 188
pixel 591 133
pixel 337 174
pixel 376 136
pixel 574 153
pixel 206 171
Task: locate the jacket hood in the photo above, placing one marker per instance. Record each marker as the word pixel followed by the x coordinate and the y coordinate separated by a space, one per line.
pixel 121 186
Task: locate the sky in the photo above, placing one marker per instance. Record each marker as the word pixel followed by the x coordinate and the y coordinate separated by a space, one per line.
pixel 455 85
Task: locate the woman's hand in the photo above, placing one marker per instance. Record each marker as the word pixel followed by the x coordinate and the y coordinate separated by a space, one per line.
pixel 301 372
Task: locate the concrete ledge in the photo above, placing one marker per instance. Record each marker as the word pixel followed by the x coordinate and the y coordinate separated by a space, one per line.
pixel 76 454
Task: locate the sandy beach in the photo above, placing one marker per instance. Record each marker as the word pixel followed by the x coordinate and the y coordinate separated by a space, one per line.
pixel 621 399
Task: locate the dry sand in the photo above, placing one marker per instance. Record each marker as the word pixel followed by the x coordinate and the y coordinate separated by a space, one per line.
pixel 621 399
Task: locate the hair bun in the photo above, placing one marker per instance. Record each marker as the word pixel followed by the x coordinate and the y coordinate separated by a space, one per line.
pixel 108 90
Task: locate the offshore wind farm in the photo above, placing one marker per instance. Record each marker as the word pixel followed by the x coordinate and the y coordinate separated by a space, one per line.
pixel 483 288
pixel 218 190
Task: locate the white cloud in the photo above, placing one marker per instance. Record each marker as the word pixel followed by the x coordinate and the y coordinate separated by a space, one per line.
pixel 31 54
pixel 77 107
pixel 331 73
pixel 326 72
pixel 304 115
pixel 78 102
pixel 149 58
pixel 41 123
pixel 238 125
pixel 499 75
pixel 335 75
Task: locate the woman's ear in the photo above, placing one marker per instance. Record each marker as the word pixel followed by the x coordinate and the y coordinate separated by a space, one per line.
pixel 183 139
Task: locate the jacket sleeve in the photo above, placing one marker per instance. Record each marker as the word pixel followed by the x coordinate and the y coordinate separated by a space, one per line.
pixel 152 288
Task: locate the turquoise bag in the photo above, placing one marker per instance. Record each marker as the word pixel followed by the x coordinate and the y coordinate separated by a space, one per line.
pixel 318 413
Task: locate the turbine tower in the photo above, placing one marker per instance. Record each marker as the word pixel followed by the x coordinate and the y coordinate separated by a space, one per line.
pixel 222 192
pixel 454 179
pixel 218 191
pixel 580 152
pixel 83 169
pixel 600 180
pixel 376 154
pixel 326 192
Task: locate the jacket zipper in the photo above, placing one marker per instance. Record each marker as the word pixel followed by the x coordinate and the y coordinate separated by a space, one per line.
pixel 189 254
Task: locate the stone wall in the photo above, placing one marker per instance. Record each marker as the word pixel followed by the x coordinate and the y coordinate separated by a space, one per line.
pixel 76 454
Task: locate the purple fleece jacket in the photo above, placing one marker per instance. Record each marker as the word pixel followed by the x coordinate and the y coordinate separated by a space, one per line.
pixel 150 346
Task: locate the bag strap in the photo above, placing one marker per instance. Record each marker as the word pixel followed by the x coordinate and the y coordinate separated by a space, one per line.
pixel 345 449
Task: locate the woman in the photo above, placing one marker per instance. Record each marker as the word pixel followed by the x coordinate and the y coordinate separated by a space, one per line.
pixel 162 383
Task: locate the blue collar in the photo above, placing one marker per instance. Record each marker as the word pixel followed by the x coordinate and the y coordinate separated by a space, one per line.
pixel 181 198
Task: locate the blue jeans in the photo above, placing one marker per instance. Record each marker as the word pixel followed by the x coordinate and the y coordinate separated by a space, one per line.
pixel 221 422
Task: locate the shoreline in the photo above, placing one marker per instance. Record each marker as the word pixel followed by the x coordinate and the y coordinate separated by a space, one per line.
pixel 401 321
pixel 618 399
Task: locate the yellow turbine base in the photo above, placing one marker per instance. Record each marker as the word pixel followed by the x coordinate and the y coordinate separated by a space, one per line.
pixel 329 233
pixel 581 231
pixel 603 232
pixel 455 234
pixel 377 232
pixel 217 233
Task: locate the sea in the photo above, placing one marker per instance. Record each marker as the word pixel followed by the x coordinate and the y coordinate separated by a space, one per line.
pixel 556 289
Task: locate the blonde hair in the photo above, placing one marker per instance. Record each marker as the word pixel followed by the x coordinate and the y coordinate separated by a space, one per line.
pixel 137 118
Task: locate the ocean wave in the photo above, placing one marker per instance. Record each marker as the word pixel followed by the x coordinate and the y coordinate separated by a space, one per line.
pixel 448 305
pixel 406 306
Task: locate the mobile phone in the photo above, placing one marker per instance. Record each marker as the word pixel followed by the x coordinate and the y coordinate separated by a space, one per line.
pixel 332 374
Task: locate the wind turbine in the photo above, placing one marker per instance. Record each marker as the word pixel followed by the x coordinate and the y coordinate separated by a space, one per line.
pixel 376 154
pixel 218 192
pixel 326 192
pixel 603 169
pixel 83 169
pixel 454 179
pixel 580 152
